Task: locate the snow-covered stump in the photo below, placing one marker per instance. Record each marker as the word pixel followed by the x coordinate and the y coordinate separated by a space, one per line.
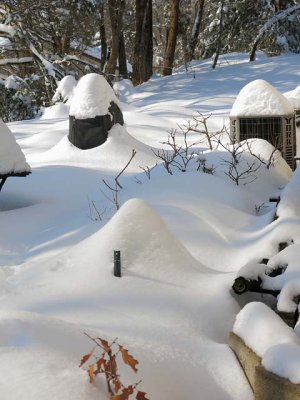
pixel 94 111
pixel 12 159
pixel 268 351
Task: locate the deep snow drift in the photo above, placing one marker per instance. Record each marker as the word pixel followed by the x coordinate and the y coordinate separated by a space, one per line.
pixel 182 238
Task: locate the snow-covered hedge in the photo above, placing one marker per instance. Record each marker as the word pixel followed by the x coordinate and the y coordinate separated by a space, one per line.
pixel 14 106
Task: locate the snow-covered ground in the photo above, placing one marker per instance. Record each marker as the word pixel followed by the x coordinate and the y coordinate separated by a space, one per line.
pixel 182 239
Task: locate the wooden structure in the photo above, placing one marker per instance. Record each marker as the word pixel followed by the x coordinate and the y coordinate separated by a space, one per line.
pixel 264 113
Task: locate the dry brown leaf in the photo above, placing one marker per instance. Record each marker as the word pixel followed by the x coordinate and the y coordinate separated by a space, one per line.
pixel 129 359
pixel 105 345
pixel 99 364
pixel 122 396
pixel 141 396
pixel 85 358
pixel 91 372
pixel 117 385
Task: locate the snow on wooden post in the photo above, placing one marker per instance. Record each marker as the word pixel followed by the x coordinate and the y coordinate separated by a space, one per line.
pixel 12 160
pixel 94 110
pixel 117 263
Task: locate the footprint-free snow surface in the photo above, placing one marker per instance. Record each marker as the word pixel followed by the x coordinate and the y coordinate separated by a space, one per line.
pixel 182 238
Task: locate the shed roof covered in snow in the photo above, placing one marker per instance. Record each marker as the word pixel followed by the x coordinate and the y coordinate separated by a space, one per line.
pixel 12 160
pixel 92 97
pixel 259 98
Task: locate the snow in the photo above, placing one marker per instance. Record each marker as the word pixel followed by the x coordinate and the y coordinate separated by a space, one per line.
pixel 287 297
pixel 92 97
pixel 12 160
pixel 182 238
pixel 11 83
pixel 65 89
pixel 9 30
pixel 5 42
pixel 294 97
pixel 284 360
pixel 261 329
pixel 252 271
pixel 259 98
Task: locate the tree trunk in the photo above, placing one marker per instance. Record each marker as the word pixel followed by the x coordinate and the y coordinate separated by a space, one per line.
pixel 102 37
pixel 196 28
pixel 143 48
pixel 122 57
pixel 253 51
pixel 219 44
pixel 172 38
pixel 116 9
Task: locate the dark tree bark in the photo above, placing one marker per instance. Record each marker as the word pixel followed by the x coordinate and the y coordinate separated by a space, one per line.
pixel 143 48
pixel 102 36
pixel 196 28
pixel 116 10
pixel 122 57
pixel 172 38
pixel 219 42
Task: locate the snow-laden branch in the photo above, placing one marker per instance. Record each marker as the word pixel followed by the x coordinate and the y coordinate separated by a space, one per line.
pixel 276 18
pixel 269 23
pixel 22 60
pixel 7 29
pixel 47 64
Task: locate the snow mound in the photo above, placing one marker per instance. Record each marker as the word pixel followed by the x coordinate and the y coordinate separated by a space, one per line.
pixel 289 258
pixel 259 98
pixel 287 296
pixel 149 251
pixel 124 88
pixel 92 97
pixel 147 245
pixel 289 206
pixel 113 154
pixel 59 110
pixel 12 160
pixel 260 328
pixel 65 89
pixel 267 153
pixel 284 360
pixel 58 347
pixel 294 97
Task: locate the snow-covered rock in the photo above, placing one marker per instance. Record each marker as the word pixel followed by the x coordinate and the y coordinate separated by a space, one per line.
pixel 259 98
